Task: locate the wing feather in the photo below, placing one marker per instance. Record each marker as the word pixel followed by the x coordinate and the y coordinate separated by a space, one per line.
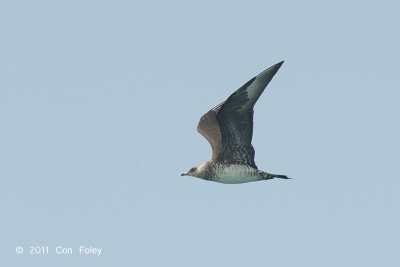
pixel 235 118
pixel 209 127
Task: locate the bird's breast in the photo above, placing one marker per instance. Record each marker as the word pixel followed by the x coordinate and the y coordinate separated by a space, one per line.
pixel 235 174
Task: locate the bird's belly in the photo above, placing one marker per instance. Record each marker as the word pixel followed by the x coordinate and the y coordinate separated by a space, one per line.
pixel 237 174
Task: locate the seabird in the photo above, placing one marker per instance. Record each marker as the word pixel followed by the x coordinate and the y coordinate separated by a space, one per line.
pixel 228 128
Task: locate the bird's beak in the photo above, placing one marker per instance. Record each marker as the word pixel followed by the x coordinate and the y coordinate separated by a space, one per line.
pixel 184 174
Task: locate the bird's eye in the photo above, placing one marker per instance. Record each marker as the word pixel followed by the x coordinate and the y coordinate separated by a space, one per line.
pixel 192 169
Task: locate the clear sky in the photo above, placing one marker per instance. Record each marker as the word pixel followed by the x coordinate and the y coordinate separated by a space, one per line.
pixel 99 104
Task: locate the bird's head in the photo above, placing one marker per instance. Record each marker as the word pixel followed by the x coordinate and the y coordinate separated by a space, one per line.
pixel 192 172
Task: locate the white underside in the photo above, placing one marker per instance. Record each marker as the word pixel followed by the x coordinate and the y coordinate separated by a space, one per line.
pixel 236 174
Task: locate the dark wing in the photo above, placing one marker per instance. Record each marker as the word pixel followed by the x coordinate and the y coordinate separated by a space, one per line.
pixel 235 119
pixel 208 126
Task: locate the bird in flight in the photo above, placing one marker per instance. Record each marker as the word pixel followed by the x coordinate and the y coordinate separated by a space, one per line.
pixel 228 128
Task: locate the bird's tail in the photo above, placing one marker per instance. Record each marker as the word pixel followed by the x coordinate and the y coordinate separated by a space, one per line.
pixel 268 176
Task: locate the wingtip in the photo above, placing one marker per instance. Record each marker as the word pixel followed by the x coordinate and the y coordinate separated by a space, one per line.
pixel 269 73
pixel 275 68
pixel 280 63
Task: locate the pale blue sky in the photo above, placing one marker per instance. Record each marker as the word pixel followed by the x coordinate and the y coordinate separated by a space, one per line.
pixel 99 103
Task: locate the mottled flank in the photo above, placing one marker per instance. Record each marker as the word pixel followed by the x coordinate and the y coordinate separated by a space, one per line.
pixel 228 128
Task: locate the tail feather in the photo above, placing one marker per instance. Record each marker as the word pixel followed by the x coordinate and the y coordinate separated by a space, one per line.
pixel 268 176
pixel 280 176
